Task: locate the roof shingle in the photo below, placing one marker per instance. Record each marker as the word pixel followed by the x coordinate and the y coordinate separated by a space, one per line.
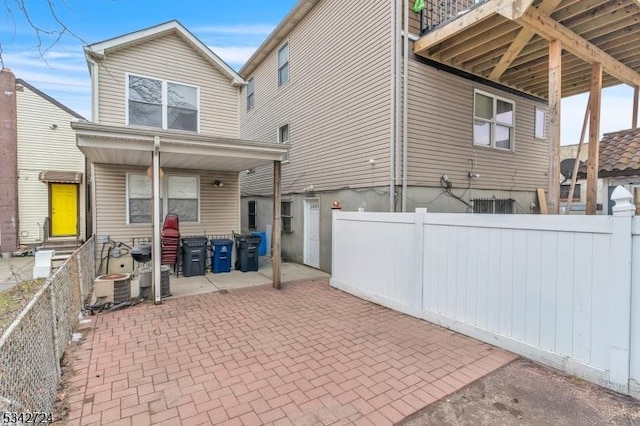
pixel 619 154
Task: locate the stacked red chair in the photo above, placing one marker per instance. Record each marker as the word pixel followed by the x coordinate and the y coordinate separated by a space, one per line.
pixel 170 240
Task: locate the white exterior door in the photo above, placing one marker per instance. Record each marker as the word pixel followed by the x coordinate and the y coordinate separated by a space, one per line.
pixel 312 233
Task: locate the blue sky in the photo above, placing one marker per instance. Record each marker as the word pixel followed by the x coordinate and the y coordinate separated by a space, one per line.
pixel 233 30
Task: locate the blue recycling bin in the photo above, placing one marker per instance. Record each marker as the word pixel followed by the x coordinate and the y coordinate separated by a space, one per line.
pixel 262 250
pixel 221 256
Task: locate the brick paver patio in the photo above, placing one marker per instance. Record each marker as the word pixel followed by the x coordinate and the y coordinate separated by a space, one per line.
pixel 304 355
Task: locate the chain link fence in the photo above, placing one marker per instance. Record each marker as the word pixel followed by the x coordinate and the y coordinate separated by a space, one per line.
pixel 31 348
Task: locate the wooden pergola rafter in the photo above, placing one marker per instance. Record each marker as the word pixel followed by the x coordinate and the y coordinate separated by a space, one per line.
pixel 550 49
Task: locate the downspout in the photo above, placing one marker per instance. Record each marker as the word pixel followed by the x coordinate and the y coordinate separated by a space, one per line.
pixel 95 87
pixel 405 103
pixel 398 111
pixel 392 112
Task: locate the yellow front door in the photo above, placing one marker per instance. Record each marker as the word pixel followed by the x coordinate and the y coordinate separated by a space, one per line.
pixel 64 209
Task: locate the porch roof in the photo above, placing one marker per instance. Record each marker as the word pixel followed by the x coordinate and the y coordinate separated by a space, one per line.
pixel 506 41
pixel 103 144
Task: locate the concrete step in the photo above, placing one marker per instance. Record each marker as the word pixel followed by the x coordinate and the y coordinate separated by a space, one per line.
pixel 62 246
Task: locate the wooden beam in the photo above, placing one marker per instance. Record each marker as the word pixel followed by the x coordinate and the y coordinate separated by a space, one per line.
pixel 576 165
pixel 511 9
pixel 634 120
pixel 552 30
pixel 522 39
pixel 594 139
pixel 277 224
pixel 555 99
pixel 542 201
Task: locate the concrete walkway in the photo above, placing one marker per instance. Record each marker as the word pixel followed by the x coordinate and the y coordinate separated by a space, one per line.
pixel 306 354
pixel 15 267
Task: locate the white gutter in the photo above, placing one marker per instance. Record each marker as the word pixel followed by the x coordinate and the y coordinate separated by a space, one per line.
pixel 156 252
pixel 405 103
pixel 392 131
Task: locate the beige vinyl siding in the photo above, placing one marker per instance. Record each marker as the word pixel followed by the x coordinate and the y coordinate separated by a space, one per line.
pixel 42 148
pixel 169 58
pixel 337 101
pixel 219 212
pixel 441 136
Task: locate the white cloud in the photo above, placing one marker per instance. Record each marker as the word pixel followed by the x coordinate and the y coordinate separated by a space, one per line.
pixel 52 60
pixel 616 111
pixel 237 29
pixel 235 56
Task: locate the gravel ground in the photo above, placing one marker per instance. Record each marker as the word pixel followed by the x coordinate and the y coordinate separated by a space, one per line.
pixel 524 393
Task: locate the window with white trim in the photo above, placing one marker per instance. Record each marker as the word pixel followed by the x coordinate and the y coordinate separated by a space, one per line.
pixel 182 197
pixel 283 137
pixel 286 214
pixel 250 94
pixel 540 123
pixel 139 198
pixel 162 104
pixel 493 122
pixel 283 64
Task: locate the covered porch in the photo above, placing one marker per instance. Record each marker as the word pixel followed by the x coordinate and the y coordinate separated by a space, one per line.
pixel 122 149
pixel 546 48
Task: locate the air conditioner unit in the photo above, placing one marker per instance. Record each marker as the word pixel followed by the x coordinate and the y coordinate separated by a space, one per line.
pixel 114 288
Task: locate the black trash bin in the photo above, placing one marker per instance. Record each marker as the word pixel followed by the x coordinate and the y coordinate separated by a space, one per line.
pixel 247 249
pixel 194 256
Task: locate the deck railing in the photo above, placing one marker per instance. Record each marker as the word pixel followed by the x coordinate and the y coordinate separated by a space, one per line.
pixel 439 12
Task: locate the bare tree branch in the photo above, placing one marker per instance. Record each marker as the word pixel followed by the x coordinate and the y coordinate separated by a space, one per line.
pixel 47 36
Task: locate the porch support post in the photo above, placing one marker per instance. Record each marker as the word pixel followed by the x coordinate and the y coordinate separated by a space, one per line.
pixel 156 254
pixel 277 224
pixel 555 98
pixel 634 120
pixel 594 138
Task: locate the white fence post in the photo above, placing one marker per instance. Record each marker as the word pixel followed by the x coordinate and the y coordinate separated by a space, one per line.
pixel 418 248
pixel 620 302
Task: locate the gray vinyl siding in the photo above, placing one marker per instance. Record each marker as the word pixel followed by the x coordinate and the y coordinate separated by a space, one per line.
pixel 440 129
pixel 42 148
pixel 219 207
pixel 337 101
pixel 169 58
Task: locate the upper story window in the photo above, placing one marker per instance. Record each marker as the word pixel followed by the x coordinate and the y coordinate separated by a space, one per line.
pixel 162 104
pixel 283 137
pixel 493 122
pixel 250 95
pixel 283 64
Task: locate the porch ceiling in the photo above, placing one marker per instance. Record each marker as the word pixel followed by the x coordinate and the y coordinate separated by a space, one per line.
pixel 134 147
pixel 507 41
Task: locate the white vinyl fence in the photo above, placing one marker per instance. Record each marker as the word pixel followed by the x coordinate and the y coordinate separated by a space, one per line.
pixel 556 289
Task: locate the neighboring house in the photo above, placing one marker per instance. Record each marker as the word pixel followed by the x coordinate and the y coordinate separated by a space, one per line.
pixel 51 169
pixel 619 164
pixel 42 170
pixel 161 96
pixel 568 155
pixel 8 164
pixel 323 83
